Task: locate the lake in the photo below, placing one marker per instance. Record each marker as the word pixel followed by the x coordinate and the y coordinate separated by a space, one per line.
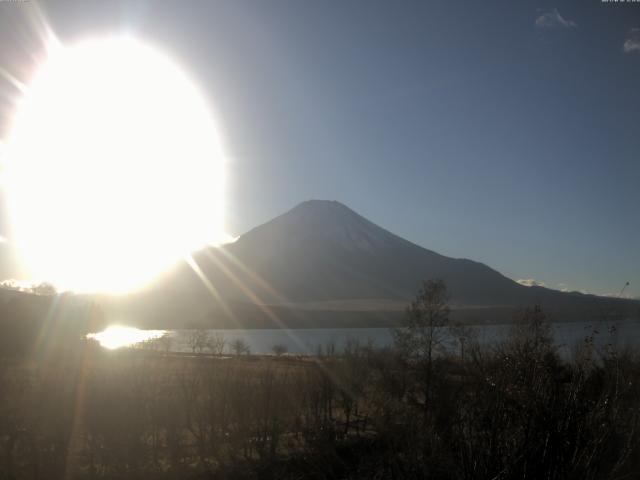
pixel 307 341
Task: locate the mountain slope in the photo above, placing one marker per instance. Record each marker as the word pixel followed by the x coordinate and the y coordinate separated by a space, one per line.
pixel 322 250
pixel 321 255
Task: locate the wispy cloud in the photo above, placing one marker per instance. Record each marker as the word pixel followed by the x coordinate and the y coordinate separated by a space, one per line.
pixel 632 43
pixel 624 296
pixel 553 19
pixel 530 282
pixel 563 287
pixel 18 285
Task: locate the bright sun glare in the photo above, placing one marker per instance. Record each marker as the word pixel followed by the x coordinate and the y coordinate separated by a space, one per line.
pixel 113 167
pixel 118 337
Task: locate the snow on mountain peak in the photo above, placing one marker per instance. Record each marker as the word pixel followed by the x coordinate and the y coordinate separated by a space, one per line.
pixel 333 221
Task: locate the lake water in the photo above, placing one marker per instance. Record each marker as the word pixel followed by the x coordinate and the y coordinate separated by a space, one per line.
pixel 307 341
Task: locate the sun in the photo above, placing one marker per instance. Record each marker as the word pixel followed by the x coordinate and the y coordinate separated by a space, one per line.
pixel 113 167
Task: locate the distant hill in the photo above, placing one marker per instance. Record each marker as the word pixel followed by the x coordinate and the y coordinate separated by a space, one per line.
pixel 322 264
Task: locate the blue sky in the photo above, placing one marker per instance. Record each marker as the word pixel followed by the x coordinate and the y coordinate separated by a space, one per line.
pixel 506 132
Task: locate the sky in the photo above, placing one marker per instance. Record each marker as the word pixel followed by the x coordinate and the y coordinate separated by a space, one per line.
pixel 505 132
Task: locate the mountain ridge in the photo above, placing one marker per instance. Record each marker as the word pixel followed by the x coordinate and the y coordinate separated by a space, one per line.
pixel 327 230
pixel 322 264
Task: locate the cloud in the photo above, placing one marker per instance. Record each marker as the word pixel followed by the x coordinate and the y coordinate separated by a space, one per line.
pixel 624 296
pixel 530 282
pixel 39 288
pixel 632 43
pixel 563 287
pixel 553 19
pixel 17 285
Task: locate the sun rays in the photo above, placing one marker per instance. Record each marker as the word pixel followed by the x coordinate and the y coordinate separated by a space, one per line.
pixel 113 163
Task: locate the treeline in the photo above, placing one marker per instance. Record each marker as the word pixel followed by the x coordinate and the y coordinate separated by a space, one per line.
pixel 428 407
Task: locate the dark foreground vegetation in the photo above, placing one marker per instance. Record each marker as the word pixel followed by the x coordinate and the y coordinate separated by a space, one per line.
pixel 425 408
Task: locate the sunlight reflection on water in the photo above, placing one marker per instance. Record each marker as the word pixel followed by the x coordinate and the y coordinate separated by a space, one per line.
pixel 117 336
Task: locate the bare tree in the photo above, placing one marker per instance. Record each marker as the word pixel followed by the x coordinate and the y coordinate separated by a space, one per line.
pixel 279 349
pixel 239 347
pixel 218 343
pixel 44 288
pixel 198 340
pixel 424 331
pixel 165 342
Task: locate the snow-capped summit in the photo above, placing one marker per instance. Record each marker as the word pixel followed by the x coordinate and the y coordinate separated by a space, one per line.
pixel 332 222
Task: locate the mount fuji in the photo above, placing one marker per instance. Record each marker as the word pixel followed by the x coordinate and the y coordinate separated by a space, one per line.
pixel 322 264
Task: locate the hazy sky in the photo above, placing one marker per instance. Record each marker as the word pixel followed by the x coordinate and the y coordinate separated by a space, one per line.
pixel 503 131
